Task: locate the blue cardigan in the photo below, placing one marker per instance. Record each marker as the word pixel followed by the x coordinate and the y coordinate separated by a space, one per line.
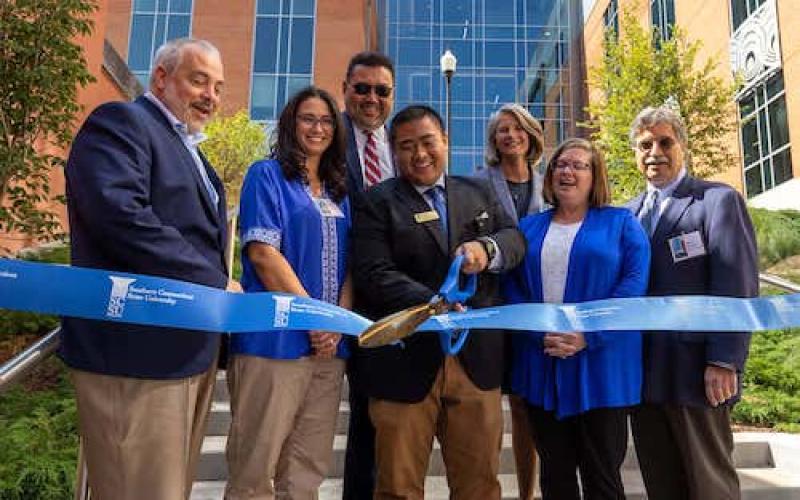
pixel 610 257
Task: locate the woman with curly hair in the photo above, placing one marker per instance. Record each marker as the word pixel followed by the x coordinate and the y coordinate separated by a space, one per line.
pixel 285 386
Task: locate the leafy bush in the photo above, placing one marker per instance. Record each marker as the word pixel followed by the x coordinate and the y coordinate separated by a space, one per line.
pixel 772 382
pixel 778 234
pixel 39 442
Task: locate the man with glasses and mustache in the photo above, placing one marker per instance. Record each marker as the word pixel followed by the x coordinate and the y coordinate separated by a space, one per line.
pixel 143 199
pixel 369 98
pixel 702 243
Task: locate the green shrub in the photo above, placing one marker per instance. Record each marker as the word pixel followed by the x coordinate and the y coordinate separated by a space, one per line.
pixel 778 234
pixel 39 441
pixel 772 382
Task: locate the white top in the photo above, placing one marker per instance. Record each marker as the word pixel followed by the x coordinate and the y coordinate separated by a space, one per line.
pixel 383 150
pixel 556 249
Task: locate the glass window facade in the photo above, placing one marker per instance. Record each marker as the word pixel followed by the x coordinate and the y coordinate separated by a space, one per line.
pixel 509 51
pixel 611 17
pixel 154 22
pixel 283 54
pixel 741 10
pixel 765 136
pixel 662 17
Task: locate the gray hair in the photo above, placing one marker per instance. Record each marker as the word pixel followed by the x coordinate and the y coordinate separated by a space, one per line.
pixel 528 123
pixel 649 117
pixel 169 55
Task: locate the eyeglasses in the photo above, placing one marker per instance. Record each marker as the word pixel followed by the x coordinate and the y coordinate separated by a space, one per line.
pixel 381 90
pixel 576 166
pixel 326 122
pixel 664 143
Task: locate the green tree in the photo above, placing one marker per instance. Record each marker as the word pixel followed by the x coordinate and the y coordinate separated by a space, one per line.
pixel 41 69
pixel 639 70
pixel 234 142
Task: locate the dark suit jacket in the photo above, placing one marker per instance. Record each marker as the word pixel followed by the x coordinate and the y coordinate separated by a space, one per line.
pixel 137 204
pixel 400 263
pixel 355 178
pixel 674 362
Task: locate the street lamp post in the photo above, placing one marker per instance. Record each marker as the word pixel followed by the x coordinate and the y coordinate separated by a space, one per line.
pixel 448 65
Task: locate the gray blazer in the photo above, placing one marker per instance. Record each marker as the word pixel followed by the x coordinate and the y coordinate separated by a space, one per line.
pixel 495 177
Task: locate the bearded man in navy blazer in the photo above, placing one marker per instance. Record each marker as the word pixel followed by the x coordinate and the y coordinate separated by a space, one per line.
pixel 143 199
pixel 702 244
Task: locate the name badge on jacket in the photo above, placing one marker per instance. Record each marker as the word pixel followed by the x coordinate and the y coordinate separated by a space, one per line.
pixel 422 217
pixel 686 246
pixel 328 208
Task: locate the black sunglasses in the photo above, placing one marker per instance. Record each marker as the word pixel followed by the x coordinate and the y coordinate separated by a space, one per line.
pixel 365 88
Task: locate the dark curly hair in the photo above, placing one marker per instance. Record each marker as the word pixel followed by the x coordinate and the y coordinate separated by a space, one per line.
pixel 289 153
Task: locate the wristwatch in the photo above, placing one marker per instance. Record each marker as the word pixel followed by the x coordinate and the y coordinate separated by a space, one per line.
pixel 489 246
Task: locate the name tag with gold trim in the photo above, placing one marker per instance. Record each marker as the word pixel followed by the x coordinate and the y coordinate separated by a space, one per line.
pixel 428 216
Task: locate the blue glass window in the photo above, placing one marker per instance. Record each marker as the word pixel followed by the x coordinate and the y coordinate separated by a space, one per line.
pixel 507 51
pixel 262 97
pixel 764 136
pixel 154 22
pixel 662 17
pixel 283 54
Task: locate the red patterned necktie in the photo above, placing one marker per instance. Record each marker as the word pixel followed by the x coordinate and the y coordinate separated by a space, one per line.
pixel 372 169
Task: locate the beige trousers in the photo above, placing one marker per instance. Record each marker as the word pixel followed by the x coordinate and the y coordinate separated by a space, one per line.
pixel 284 420
pixel 142 437
pixel 467 423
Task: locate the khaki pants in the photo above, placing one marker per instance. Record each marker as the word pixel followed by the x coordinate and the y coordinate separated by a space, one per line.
pixel 467 423
pixel 284 420
pixel 142 437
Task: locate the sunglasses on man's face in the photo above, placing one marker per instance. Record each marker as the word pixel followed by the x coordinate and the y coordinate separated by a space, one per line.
pixel 365 88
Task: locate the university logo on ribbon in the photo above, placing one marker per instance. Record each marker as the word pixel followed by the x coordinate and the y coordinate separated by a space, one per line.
pixel 119 291
pixel 283 306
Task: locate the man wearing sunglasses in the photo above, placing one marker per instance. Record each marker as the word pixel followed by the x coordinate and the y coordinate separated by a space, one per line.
pixel 702 243
pixel 369 98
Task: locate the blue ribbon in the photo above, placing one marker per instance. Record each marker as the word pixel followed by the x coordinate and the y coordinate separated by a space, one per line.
pixel 684 313
pixel 132 298
pixel 147 300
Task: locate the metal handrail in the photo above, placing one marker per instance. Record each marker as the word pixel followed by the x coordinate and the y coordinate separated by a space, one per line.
pixel 13 369
pixel 778 282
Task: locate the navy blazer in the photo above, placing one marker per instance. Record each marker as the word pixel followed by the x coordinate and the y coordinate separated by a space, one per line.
pixel 674 362
pixel 137 204
pixel 399 262
pixel 355 177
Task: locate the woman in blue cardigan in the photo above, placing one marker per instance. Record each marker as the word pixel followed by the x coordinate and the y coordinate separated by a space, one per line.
pixel 579 385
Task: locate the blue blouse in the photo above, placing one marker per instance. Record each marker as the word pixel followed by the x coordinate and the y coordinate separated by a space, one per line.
pixel 282 213
pixel 610 257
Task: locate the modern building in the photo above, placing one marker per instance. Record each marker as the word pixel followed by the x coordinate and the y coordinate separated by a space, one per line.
pixel 755 38
pixel 511 51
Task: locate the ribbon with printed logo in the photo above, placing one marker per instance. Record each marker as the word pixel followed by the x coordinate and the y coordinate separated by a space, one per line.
pixel 131 298
pixel 148 300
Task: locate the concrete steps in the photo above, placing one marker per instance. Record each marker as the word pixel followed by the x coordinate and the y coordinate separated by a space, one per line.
pixel 763 475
